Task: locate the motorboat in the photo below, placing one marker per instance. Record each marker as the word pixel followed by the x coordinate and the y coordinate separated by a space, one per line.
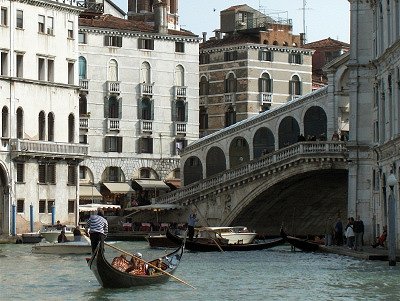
pixel 31 237
pixel 234 235
pixel 79 246
pixel 50 232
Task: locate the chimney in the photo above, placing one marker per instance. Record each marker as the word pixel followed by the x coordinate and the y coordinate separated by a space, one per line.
pixel 217 34
pixel 160 17
pixel 302 39
pixel 204 36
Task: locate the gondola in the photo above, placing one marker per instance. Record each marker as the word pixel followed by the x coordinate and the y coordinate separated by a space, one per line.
pixel 213 245
pixel 110 277
pixel 301 244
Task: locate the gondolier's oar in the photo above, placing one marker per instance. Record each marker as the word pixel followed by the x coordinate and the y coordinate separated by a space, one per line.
pixel 149 264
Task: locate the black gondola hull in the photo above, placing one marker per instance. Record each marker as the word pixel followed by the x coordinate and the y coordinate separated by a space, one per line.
pixel 301 244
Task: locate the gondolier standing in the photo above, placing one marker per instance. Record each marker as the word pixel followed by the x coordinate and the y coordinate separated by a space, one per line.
pixel 97 226
pixel 191 223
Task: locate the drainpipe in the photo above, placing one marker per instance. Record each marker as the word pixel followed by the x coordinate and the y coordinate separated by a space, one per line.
pixel 53 215
pixel 31 216
pixel 13 220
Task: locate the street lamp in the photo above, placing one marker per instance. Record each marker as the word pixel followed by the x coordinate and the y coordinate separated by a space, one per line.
pixel 392 181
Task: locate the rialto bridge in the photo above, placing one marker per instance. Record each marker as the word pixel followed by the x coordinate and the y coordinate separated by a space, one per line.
pixel 257 173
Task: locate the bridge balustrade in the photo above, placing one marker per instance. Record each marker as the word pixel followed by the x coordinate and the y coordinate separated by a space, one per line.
pixel 315 148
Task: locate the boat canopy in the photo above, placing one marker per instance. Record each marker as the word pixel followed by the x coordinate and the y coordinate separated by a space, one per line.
pixel 95 207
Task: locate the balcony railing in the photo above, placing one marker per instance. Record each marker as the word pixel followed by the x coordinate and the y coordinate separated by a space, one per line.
pixel 180 127
pixel 146 126
pixel 113 124
pixel 146 89
pixel 230 97
pixel 113 87
pixel 84 84
pixel 32 148
pixel 83 122
pixel 265 98
pixel 180 91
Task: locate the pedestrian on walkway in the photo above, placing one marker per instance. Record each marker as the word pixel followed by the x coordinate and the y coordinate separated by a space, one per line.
pixel 328 232
pixel 350 233
pixel 358 229
pixel 338 232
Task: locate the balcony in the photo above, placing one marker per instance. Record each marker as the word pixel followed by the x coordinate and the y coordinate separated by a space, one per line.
pixel 63 150
pixel 112 124
pixel 265 98
pixel 180 92
pixel 84 84
pixel 113 87
pixel 180 127
pixel 84 122
pixel 146 126
pixel 230 97
pixel 146 89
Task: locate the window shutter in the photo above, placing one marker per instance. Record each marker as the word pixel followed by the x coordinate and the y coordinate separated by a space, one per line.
pixel 106 107
pixel 139 109
pixel 119 144
pixel 186 111
pixel 290 87
pixel 119 108
pixel 260 55
pixel 300 88
pixel 106 41
pixel 173 111
pixel 119 41
pixel 152 109
pixel 301 58
pixel 235 84
pixel 290 58
pixel 140 144
pixel 235 55
pixel 106 144
pixel 271 85
pixel 150 146
pixel 260 85
pixel 42 173
pixel 140 43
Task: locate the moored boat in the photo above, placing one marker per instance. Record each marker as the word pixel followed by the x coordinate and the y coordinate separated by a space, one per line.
pixel 110 277
pixel 81 246
pixel 234 235
pixel 31 237
pixel 216 244
pixel 51 232
pixel 301 244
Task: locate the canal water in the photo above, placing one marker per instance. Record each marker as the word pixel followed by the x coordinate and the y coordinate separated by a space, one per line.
pixel 274 274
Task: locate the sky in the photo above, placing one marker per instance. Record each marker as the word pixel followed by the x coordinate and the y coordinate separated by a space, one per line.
pixel 323 18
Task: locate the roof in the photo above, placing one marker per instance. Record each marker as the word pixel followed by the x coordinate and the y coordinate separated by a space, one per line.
pixel 230 40
pixel 112 22
pixel 327 43
pixel 116 7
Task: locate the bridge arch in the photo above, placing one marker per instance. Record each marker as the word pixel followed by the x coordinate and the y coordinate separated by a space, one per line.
pixel 192 170
pixel 239 151
pixel 288 131
pixel 263 142
pixel 215 161
pixel 315 122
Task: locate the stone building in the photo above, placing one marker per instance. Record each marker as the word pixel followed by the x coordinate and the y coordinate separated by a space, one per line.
pixel 39 152
pixel 138 103
pixel 254 63
pixel 374 89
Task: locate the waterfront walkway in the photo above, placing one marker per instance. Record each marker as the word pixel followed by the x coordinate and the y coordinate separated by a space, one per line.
pixel 368 252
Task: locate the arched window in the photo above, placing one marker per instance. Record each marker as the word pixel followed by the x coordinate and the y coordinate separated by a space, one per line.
pixel 4 122
pixel 112 74
pixel 265 83
pixel 230 83
pixel 295 86
pixel 146 110
pixel 82 67
pixel 203 86
pixel 20 123
pixel 42 125
pixel 145 74
pixel 179 76
pixel 230 116
pixel 71 128
pixel 50 127
pixel 203 118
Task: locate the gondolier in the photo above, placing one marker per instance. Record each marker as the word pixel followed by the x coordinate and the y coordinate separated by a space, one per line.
pixel 97 227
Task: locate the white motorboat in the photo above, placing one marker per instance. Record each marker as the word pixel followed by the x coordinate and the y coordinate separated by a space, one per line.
pixel 234 235
pixel 81 246
pixel 50 232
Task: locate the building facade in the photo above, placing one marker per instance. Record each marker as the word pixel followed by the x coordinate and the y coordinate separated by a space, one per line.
pixel 257 64
pixel 39 153
pixel 138 105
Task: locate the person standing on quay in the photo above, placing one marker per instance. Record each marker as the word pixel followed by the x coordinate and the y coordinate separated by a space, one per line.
pixel 358 229
pixel 191 223
pixel 97 226
pixel 339 232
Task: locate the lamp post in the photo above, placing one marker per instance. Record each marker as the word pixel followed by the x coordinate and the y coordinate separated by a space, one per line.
pixel 392 181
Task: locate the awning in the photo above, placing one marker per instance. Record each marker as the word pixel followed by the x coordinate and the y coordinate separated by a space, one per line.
pixel 150 184
pixel 121 188
pixel 157 207
pixel 88 192
pixel 95 207
pixel 173 183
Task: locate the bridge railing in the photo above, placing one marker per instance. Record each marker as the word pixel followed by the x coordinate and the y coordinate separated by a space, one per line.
pixel 301 148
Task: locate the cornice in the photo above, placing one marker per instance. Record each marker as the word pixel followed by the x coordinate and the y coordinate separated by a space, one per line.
pixel 248 46
pixel 54 5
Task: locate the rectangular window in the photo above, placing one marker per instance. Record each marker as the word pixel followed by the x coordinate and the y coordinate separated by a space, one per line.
pixel 83 139
pixel 71 175
pixel 180 145
pixel 4 63
pixel 146 44
pixel 3 17
pixel 42 206
pixel 179 47
pixel 82 172
pixel 70 73
pixel 20 172
pixel 50 26
pixel 204 58
pixel 41 69
pixel 70 29
pixel 266 56
pixel 230 56
pixel 114 41
pixel 20 206
pixel 82 38
pixel 146 145
pixel 71 206
pixel 113 144
pixel 47 173
pixel 20 65
pixel 50 205
pixel 295 58
pixel 50 70
pixel 20 19
pixel 41 23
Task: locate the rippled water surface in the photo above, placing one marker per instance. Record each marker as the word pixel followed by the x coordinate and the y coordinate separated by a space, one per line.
pixel 274 274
